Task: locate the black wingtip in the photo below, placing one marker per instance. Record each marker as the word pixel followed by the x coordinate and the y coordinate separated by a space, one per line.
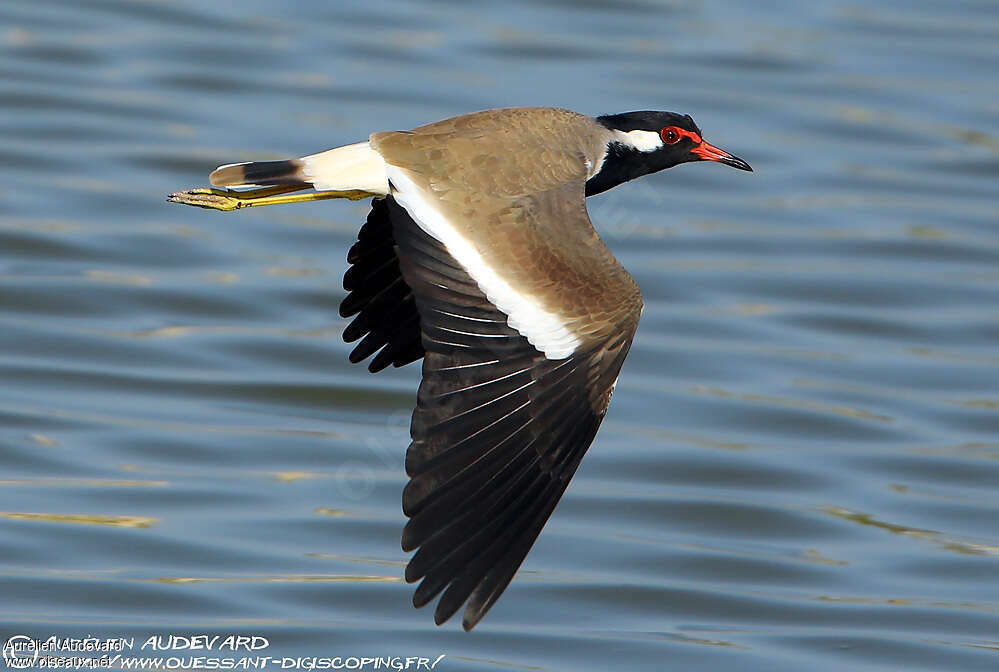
pixel 445 610
pixel 387 321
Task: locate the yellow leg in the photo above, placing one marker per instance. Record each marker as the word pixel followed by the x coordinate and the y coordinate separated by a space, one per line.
pixel 227 199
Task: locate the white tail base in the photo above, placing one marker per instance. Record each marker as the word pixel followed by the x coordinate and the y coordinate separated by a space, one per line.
pixel 351 167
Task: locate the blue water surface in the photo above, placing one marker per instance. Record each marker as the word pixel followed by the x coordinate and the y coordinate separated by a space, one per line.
pixel 800 469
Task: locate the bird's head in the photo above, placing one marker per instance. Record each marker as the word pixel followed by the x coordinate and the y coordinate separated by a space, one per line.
pixel 647 142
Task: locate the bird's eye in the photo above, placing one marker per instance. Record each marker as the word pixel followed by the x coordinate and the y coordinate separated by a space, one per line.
pixel 670 135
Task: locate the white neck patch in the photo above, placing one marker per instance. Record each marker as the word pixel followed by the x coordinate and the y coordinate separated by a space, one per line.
pixel 643 141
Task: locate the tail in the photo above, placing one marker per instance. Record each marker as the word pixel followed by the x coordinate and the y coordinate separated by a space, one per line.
pixel 350 168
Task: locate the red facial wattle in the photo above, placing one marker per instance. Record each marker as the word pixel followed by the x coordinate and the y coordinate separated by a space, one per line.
pixel 673 134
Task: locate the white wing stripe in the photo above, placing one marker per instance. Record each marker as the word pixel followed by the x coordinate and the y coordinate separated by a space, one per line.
pixel 543 329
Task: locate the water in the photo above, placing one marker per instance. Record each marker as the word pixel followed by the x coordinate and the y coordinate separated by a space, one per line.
pixel 800 469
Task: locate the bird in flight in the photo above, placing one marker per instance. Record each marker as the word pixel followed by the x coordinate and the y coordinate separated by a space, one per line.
pixel 479 258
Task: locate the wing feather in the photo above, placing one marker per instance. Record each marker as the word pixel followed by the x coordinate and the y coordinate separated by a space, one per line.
pixel 498 431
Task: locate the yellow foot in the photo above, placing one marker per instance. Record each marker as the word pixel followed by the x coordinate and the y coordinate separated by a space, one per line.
pixel 213 199
pixel 227 199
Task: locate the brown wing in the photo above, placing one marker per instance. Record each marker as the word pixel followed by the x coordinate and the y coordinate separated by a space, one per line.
pixel 505 152
pixel 498 431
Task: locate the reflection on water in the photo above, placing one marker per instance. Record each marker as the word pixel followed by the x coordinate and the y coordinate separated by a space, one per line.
pixel 799 468
pixel 114 521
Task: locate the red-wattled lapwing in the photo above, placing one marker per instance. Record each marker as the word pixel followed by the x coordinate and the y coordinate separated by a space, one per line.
pixel 478 256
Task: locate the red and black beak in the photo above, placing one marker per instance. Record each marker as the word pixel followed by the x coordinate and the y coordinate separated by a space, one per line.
pixel 706 152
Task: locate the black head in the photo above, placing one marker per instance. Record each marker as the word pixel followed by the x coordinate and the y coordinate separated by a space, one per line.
pixel 647 142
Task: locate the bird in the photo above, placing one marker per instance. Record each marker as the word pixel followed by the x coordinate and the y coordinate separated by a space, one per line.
pixel 478 257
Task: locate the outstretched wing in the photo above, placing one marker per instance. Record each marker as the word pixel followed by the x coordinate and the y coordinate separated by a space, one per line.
pixel 386 318
pixel 499 427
